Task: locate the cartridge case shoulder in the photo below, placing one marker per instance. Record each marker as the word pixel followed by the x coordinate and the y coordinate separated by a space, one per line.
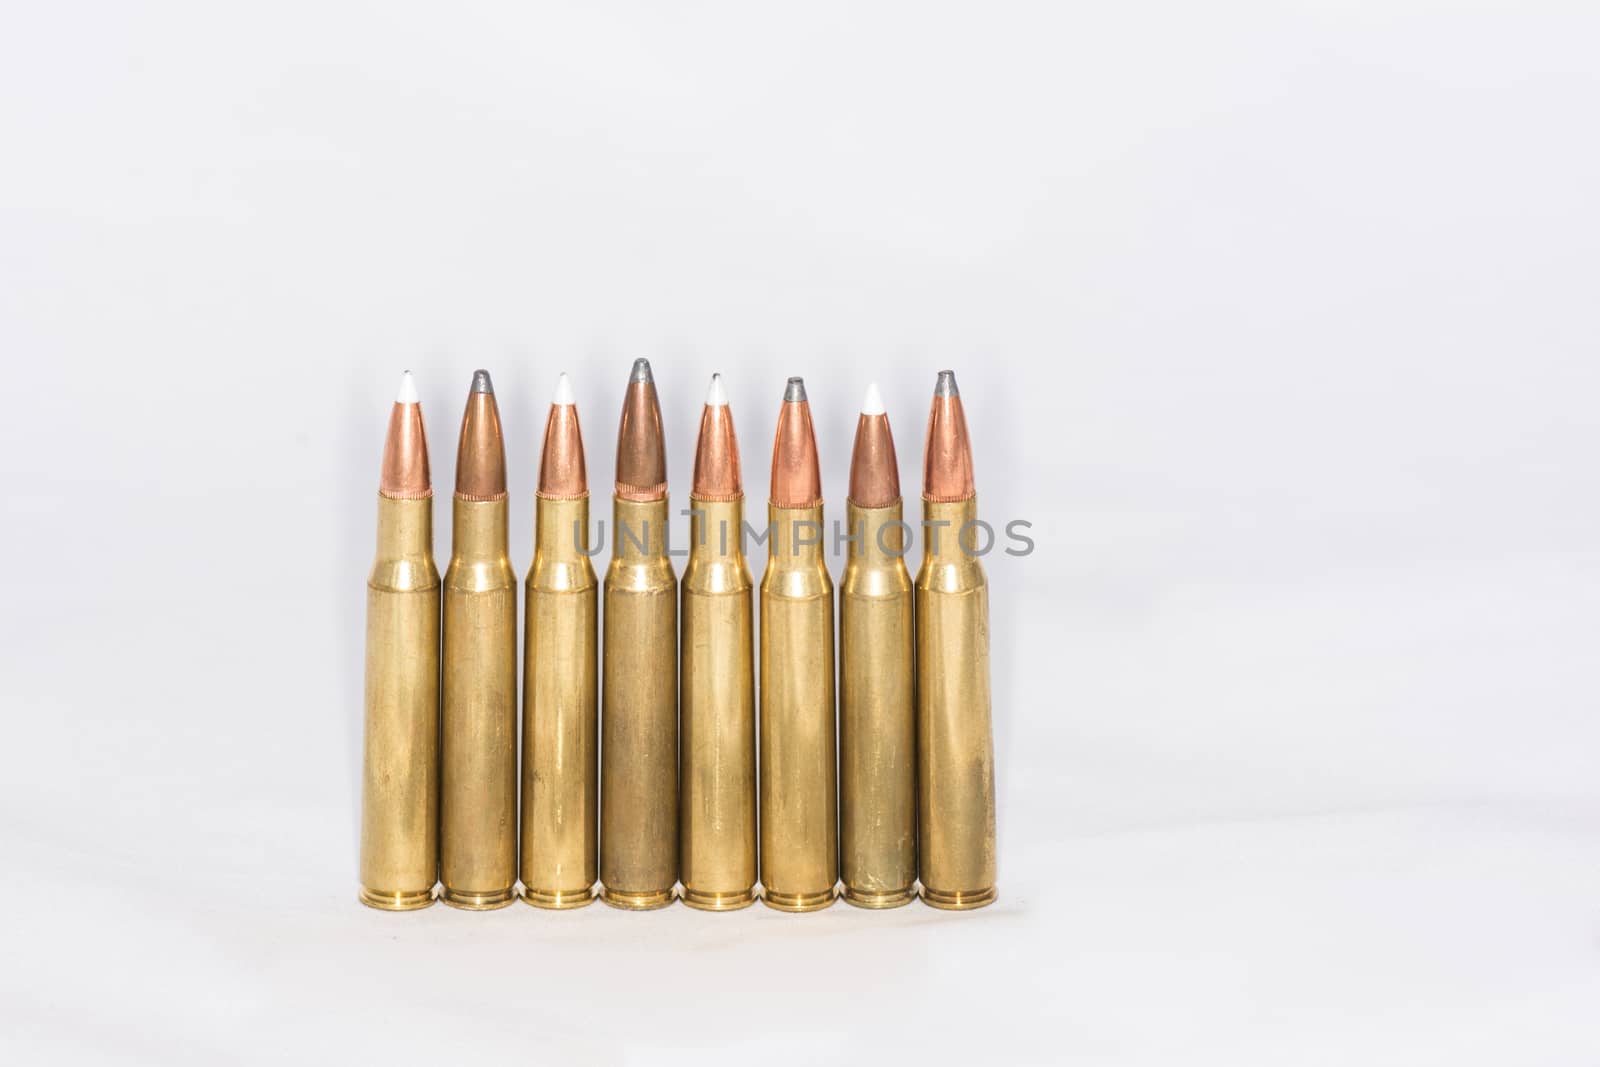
pixel 410 574
pixel 480 576
pixel 798 583
pixel 952 579
pixel 717 577
pixel 562 576
pixel 881 582
pixel 652 577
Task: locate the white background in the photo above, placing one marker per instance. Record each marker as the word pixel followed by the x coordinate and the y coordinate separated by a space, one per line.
pixel 1276 320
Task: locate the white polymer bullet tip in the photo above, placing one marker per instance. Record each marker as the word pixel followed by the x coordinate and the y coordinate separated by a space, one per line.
pixel 408 390
pixel 716 395
pixel 872 403
pixel 564 397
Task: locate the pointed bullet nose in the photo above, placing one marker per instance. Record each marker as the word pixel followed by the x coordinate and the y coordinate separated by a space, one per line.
pixel 564 395
pixel 481 382
pixel 641 372
pixel 716 392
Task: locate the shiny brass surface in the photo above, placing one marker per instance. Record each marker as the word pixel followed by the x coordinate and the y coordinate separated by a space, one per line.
pixel 955 741
pixel 799 797
pixel 560 723
pixel 639 712
pixel 877 714
pixel 717 801
pixel 399 779
pixel 478 746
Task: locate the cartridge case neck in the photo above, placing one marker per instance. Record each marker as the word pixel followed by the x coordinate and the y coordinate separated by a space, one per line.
pixel 561 533
pixel 405 529
pixel 638 530
pixel 796 538
pixel 560 546
pixel 879 537
pixel 479 529
pixel 716 530
pixel 951 533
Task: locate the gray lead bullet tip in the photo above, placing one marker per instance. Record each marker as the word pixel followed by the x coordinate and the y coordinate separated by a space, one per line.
pixel 641 371
pixel 481 382
pixel 947 384
pixel 795 392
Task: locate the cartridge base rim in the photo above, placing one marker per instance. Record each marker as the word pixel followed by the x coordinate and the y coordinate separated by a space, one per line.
pixel 648 900
pixel 559 899
pixel 894 898
pixel 415 901
pixel 719 901
pixel 478 901
pixel 795 902
pixel 959 900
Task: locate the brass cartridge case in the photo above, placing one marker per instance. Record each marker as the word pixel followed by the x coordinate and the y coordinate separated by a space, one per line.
pixel 799 805
pixel 639 712
pixel 955 738
pixel 877 714
pixel 717 802
pixel 560 719
pixel 478 766
pixel 400 759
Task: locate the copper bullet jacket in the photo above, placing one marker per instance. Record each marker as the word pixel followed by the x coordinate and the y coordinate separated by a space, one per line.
pixel 405 474
pixel 400 751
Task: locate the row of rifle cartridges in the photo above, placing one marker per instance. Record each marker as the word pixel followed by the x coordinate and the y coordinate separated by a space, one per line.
pixel 908 791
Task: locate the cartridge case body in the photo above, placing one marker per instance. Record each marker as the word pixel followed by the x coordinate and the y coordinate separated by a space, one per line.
pixel 717 798
pixel 639 712
pixel 478 765
pixel 877 714
pixel 400 759
pixel 955 741
pixel 799 805
pixel 560 725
